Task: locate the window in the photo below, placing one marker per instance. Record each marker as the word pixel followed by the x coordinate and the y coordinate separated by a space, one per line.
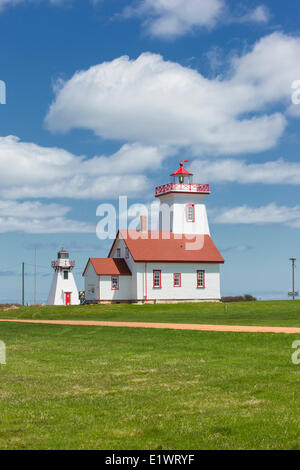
pixel 63 255
pixel 200 279
pixel 126 252
pixel 66 275
pixel 118 252
pixel 177 280
pixel 115 282
pixel 156 279
pixel 190 213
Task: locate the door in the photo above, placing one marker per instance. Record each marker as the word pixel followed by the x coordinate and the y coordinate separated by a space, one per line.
pixel 68 298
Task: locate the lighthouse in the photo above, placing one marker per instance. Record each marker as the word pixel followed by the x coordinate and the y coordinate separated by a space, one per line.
pixel 63 290
pixel 185 204
pixel 179 262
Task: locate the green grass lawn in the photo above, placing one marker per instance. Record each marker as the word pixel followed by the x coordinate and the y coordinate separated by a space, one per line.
pixel 271 313
pixel 70 387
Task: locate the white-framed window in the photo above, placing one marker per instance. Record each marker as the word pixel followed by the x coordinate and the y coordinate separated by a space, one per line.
pixel 114 282
pixel 118 252
pixel 177 280
pixel 156 279
pixel 126 253
pixel 201 279
pixel 190 213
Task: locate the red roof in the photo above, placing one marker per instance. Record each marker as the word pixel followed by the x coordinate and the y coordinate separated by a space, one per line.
pixel 109 266
pixel 168 247
pixel 181 171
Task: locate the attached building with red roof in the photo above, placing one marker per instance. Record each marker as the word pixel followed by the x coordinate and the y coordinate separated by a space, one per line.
pixel 178 262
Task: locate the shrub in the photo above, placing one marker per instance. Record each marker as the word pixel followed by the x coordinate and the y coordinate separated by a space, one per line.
pixel 240 298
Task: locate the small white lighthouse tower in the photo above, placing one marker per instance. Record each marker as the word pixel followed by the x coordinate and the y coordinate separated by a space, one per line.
pixel 63 289
pixel 182 204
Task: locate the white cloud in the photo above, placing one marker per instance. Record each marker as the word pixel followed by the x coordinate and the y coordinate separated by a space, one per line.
pixel 28 208
pixel 238 248
pixel 28 170
pixel 6 3
pixel 260 14
pixel 169 19
pixel 11 3
pixel 160 102
pixel 35 217
pixel 269 214
pixel 172 18
pixel 237 171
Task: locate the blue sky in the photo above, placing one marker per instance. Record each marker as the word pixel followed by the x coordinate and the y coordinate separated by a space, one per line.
pixel 160 80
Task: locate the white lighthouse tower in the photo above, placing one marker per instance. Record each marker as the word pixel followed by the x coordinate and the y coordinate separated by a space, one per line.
pixel 182 204
pixel 63 289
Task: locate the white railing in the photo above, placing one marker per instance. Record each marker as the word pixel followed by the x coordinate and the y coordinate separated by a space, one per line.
pixel 182 187
pixel 63 263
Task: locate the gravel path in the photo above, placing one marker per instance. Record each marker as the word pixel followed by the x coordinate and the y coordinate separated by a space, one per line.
pixel 171 326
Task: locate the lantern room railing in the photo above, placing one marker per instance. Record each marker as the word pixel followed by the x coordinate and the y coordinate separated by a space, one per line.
pixel 63 263
pixel 182 187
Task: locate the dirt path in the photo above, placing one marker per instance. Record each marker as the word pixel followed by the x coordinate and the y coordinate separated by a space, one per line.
pixel 171 326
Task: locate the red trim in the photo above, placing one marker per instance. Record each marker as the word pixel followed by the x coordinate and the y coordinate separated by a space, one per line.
pixel 115 288
pixel 176 274
pixel 180 192
pixel 155 271
pixel 146 292
pixel 201 271
pixel 187 212
pixel 178 261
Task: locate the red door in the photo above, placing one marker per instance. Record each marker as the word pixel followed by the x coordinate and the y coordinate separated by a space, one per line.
pixel 68 298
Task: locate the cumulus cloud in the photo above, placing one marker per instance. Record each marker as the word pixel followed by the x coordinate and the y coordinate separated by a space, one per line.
pixel 269 214
pixel 28 170
pixel 160 102
pixel 36 217
pixel 169 19
pixel 238 171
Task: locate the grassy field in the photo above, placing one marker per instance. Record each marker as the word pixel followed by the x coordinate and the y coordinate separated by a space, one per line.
pixel 272 313
pixel 69 387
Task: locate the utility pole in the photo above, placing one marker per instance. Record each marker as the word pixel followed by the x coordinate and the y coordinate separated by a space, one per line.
pixel 23 284
pixel 293 293
pixel 34 301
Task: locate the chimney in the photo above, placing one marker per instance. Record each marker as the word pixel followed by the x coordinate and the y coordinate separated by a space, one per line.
pixel 144 223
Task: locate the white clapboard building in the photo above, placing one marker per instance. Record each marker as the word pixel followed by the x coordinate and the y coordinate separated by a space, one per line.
pixel 178 262
pixel 63 289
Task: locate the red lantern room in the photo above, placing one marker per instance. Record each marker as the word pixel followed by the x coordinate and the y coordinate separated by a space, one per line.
pixel 182 182
pixel 181 175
